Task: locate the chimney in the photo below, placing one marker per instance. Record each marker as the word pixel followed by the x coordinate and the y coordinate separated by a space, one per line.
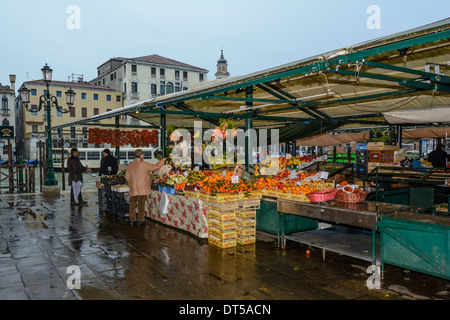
pixel 12 79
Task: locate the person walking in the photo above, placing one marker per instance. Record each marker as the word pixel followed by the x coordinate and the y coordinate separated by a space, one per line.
pixel 138 179
pixel 438 157
pixel 108 164
pixel 76 169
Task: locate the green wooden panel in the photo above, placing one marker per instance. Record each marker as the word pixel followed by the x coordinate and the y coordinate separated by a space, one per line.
pixel 268 220
pixel 418 246
pixel 421 197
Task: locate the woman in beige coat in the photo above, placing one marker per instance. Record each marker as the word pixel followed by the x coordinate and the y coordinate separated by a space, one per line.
pixel 138 178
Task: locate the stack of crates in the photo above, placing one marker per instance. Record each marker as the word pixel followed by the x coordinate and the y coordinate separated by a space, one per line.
pixel 246 221
pixel 222 223
pixel 381 155
pixel 231 223
pixel 121 206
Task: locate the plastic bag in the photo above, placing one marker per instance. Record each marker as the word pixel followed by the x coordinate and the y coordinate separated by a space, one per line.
pixel 164 204
pixel 76 188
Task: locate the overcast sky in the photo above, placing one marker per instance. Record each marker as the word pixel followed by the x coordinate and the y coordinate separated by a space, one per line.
pixel 77 36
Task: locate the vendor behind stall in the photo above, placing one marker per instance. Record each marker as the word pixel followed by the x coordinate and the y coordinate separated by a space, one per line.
pixel 138 178
pixel 108 164
pixel 438 157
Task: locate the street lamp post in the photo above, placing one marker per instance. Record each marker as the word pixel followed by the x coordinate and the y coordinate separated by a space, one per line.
pixel 48 101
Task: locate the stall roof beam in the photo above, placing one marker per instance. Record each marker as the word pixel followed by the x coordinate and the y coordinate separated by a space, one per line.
pixel 410 83
pixel 181 106
pixel 247 99
pixel 273 90
pixel 361 98
pixel 433 77
pixel 122 125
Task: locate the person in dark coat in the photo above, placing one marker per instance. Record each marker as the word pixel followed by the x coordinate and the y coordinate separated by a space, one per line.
pixel 438 157
pixel 75 169
pixel 108 164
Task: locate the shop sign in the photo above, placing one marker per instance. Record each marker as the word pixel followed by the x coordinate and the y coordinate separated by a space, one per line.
pixel 6 132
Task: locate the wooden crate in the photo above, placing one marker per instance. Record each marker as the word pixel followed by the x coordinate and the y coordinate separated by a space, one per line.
pixel 222 225
pixel 245 240
pixel 222 206
pixel 381 146
pixel 245 214
pixel 221 216
pixel 222 234
pixel 246 231
pixel 251 204
pixel 382 156
pixel 222 243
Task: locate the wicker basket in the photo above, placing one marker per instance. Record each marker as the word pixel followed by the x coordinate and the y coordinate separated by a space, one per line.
pixel 322 195
pixel 351 197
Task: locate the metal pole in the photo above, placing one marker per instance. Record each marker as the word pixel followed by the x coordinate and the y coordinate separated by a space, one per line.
pixel 41 164
pixel 10 163
pixel 399 135
pixel 50 179
pixel 63 174
pixel 163 134
pixel 117 147
pixel 248 127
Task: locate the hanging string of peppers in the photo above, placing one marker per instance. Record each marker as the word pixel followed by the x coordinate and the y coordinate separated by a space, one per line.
pixel 117 138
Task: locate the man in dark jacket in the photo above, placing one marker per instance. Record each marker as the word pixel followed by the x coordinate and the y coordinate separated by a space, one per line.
pixel 108 164
pixel 438 157
pixel 76 169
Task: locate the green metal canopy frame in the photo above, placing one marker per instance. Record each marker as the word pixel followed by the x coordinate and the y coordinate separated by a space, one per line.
pixel 343 88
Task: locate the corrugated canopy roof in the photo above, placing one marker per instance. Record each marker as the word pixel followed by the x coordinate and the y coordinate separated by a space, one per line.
pixel 352 86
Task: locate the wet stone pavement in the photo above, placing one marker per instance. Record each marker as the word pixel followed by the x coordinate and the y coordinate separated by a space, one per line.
pixel 40 238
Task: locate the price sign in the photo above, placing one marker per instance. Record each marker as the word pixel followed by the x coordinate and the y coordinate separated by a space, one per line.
pixel 196 168
pixel 293 175
pixel 234 179
pixel 185 173
pixel 324 175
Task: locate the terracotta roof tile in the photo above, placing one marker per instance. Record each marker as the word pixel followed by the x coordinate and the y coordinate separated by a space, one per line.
pixel 162 60
pixel 4 89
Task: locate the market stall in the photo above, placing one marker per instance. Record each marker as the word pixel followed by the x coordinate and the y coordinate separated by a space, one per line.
pixel 352 87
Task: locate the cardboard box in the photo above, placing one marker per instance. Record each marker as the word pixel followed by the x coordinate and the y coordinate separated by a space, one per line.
pixel 246 231
pixel 224 197
pixel 245 214
pixel 221 216
pixel 222 234
pixel 222 225
pixel 120 189
pixel 246 240
pixel 254 195
pixel 245 222
pixel 192 194
pixel 222 243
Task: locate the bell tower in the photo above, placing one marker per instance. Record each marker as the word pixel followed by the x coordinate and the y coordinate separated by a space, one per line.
pixel 222 67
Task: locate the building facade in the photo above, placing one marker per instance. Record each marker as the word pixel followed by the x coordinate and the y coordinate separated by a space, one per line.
pixel 147 77
pixel 7 115
pixel 90 100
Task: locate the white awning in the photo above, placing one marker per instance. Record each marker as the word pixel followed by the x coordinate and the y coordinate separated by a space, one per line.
pixel 428 115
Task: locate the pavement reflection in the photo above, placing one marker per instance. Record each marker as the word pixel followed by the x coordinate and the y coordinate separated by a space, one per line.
pixel 41 237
